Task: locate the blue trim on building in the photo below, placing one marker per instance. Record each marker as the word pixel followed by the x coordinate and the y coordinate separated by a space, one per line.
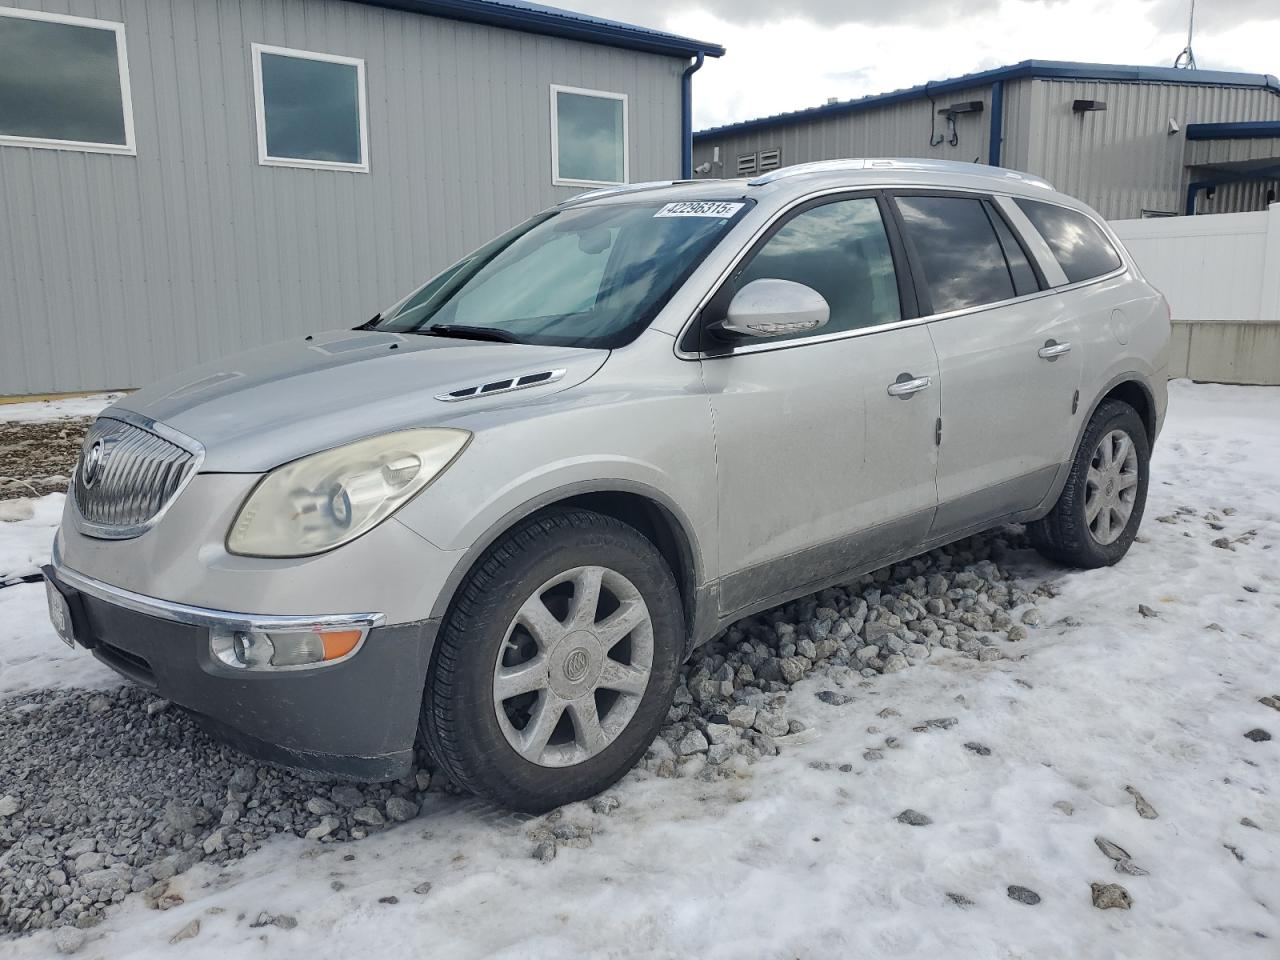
pixel 997 123
pixel 1242 130
pixel 1040 69
pixel 554 22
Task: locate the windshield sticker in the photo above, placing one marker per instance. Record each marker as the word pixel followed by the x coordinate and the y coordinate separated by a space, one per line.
pixel 699 208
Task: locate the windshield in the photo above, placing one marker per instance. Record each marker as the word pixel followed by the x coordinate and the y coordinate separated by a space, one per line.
pixel 584 277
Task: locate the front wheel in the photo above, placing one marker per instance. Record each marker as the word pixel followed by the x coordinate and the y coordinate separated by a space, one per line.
pixel 557 662
pixel 1096 518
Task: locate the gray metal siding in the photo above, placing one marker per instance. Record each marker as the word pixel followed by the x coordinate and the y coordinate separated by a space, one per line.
pixel 120 269
pixel 1123 160
pixel 898 130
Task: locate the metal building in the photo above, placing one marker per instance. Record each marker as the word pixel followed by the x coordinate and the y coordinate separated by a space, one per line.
pixel 1130 141
pixel 182 179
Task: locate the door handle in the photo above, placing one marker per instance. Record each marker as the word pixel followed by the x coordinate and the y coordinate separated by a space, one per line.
pixel 1052 350
pixel 906 388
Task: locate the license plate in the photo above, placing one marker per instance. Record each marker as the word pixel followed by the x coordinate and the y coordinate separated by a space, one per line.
pixel 60 614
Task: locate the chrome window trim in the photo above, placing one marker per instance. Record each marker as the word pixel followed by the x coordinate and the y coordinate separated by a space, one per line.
pixel 164 432
pixel 212 619
pixel 750 242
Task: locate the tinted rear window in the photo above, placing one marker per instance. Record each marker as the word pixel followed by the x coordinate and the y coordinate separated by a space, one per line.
pixel 1081 248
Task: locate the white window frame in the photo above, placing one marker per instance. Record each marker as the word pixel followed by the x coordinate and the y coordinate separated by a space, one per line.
pixel 264 159
pixel 129 147
pixel 559 181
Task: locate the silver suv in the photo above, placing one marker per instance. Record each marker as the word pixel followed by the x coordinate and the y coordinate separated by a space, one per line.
pixel 504 511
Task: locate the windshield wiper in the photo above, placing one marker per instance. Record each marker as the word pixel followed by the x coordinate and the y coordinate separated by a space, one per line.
pixel 464 332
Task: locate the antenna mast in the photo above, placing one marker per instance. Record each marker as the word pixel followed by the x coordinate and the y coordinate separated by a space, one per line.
pixel 1187 59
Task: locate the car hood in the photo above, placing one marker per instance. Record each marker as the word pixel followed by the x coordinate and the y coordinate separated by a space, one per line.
pixel 258 409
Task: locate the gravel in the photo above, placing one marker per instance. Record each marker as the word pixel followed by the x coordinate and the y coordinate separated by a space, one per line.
pixel 104 799
pixel 112 793
pixel 731 706
pixel 37 458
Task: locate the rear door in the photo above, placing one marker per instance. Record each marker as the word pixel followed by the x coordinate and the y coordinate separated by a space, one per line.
pixel 1005 349
pixel 819 468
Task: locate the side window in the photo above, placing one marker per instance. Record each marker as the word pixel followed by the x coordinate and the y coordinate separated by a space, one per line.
pixel 841 250
pixel 1081 248
pixel 959 252
pixel 1024 275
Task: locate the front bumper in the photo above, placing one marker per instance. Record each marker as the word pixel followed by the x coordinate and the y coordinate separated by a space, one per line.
pixel 355 719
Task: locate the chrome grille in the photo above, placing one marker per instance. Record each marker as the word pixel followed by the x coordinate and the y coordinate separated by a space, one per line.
pixel 130 470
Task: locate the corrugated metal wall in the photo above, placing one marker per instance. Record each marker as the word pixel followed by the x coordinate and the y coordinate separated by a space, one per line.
pixel 897 130
pixel 1123 160
pixel 116 270
pixel 1120 161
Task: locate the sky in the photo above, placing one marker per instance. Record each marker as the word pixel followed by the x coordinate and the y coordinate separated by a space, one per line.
pixel 788 56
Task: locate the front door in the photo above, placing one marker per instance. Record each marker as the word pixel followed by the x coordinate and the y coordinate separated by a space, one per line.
pixel 820 468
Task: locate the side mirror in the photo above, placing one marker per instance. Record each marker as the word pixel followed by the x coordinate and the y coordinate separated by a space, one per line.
pixel 773 308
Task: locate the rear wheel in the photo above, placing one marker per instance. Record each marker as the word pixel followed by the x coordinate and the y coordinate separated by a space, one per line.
pixel 557 662
pixel 1097 515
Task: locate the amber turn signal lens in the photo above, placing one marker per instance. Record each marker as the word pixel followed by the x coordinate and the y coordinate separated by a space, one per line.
pixel 338 643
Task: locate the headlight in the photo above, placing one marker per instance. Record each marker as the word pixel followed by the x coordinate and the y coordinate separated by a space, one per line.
pixel 330 498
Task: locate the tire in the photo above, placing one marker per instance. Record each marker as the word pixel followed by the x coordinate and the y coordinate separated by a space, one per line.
pixel 489 638
pixel 1067 534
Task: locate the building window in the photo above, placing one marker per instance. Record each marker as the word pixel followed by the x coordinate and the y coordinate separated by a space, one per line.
pixel 64 83
pixel 588 137
pixel 311 110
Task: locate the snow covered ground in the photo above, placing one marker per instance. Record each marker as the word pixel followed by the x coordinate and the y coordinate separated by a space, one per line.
pixel 802 859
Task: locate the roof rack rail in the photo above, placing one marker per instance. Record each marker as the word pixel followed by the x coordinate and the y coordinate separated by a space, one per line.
pixel 897 163
pixel 623 188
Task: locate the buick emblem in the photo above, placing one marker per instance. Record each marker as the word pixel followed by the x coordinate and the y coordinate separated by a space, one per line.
pixel 92 465
pixel 576 665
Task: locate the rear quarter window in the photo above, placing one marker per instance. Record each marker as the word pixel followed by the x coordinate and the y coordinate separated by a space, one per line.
pixel 1079 245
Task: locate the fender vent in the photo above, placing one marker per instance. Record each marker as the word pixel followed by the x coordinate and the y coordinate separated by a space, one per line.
pixel 502 386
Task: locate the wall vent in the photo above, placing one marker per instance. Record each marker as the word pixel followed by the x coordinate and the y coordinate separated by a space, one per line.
pixel 770 160
pixel 747 165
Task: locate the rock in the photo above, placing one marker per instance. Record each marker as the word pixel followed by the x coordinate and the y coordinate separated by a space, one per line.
pixel 9 805
pixel 691 743
pixel 215 841
pixel 322 829
pixel 1023 895
pixel 399 809
pixel 69 939
pixel 959 899
pixel 1147 611
pixel 88 862
pixel 1064 807
pixel 1246 822
pixel 157 706
pixel 423 888
pixel 942 723
pixel 545 851
pixel 834 698
pixel 974 747
pixel 895 663
pixel 1032 617
pixel 184 817
pixel 187 932
pixel 1222 543
pixel 1272 702
pixel 913 818
pixel 742 716
pixel 1016 632
pixel 283 921
pixel 370 816
pixel 1108 896
pixel 1234 851
pixel 1258 735
pixel 1145 810
pixel 390 901
pixel 347 795
pixel 320 807
pixel 873 755
pixel 988 654
pixel 721 733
